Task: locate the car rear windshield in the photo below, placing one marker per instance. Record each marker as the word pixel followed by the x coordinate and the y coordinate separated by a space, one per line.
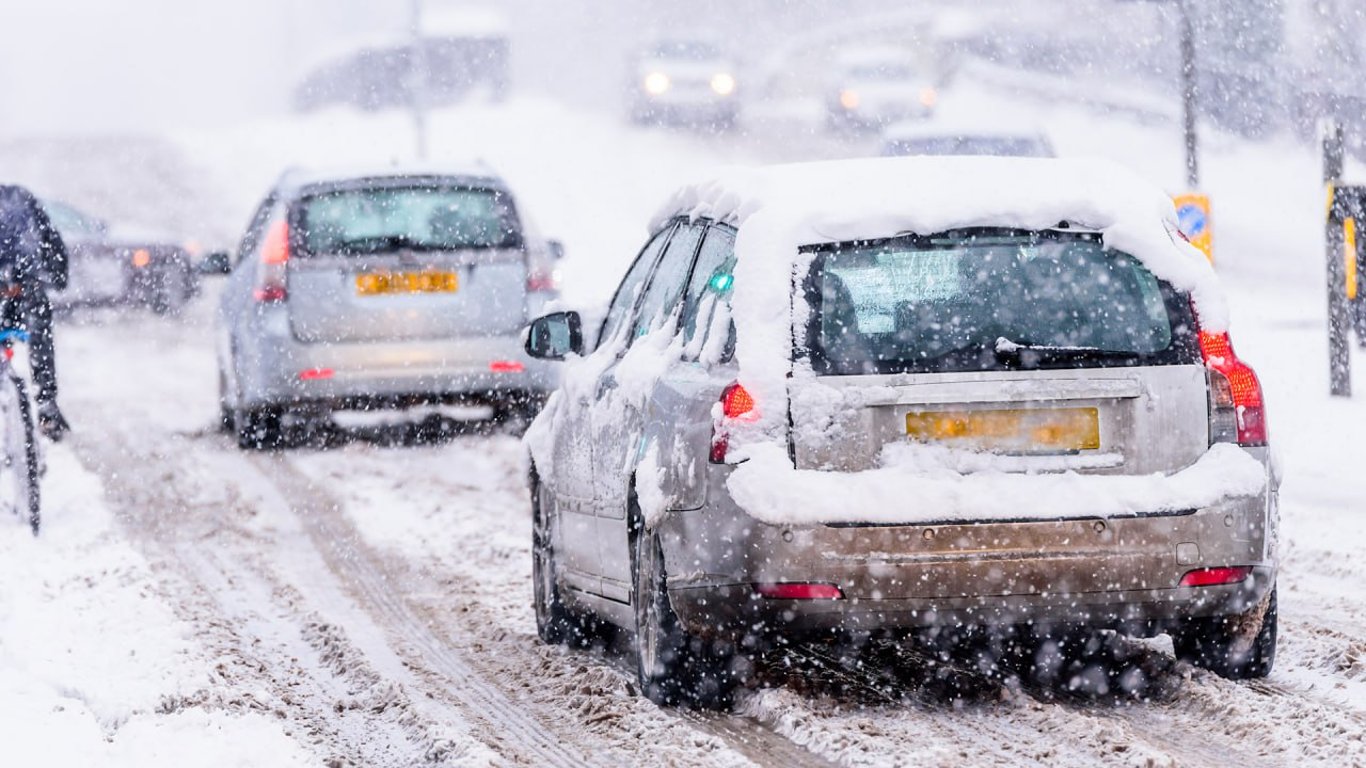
pixel 977 300
pixel 420 218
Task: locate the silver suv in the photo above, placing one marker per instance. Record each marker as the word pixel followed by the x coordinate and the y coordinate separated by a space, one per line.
pixel 383 289
pixel 989 426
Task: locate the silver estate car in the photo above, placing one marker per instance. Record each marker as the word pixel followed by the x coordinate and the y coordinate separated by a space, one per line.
pixel 390 288
pixel 1117 451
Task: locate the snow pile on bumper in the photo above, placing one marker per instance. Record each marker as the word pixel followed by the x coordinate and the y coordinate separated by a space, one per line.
pixel 768 488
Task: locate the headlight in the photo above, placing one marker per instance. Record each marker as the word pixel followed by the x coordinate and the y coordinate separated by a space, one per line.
pixel 929 96
pixel 656 83
pixel 849 99
pixel 723 84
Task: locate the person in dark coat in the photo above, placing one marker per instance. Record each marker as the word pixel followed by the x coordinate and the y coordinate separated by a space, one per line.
pixel 33 259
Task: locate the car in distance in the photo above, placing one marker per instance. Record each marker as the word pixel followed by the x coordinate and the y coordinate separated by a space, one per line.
pixel 683 82
pixel 120 264
pixel 374 289
pixel 837 399
pixel 875 87
pixel 915 138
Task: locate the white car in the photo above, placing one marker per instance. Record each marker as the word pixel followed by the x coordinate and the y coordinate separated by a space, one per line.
pixel 879 86
pixel 687 82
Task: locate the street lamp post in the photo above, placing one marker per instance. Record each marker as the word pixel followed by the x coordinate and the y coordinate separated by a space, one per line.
pixel 417 82
pixel 1188 95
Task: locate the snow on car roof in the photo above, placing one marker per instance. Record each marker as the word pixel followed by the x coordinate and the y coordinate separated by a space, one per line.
pixel 777 209
pixel 297 178
pixel 920 129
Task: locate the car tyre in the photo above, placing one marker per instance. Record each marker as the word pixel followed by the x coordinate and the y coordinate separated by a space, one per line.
pixel 555 623
pixel 258 428
pixel 673 666
pixel 1238 647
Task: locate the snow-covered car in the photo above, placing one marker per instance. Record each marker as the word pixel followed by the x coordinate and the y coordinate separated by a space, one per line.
pixel 877 86
pixel 682 81
pixel 864 396
pixel 365 289
pixel 918 138
pixel 120 264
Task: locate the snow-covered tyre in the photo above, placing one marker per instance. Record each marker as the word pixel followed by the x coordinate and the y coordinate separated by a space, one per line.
pixel 1238 647
pixel 257 428
pixel 673 666
pixel 555 624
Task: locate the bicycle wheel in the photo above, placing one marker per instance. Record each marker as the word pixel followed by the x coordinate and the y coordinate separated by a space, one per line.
pixel 19 467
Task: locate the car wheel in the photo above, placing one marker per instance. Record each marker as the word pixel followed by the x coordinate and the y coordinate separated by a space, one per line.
pixel 555 624
pixel 258 428
pixel 1239 647
pixel 172 290
pixel 673 666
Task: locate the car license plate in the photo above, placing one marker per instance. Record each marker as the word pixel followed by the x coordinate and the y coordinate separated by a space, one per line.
pixel 1025 430
pixel 386 283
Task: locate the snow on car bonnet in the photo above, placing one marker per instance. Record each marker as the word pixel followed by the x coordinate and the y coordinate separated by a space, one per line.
pixel 777 209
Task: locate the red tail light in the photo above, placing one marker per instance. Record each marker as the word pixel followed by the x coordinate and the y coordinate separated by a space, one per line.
pixel 314 374
pixel 506 366
pixel 799 591
pixel 1213 577
pixel 736 403
pixel 271 271
pixel 1237 413
pixel 541 280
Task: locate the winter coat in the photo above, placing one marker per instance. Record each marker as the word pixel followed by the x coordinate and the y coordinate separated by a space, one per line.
pixel 28 241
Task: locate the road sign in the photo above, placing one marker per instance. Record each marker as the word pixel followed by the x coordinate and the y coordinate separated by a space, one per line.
pixel 1192 216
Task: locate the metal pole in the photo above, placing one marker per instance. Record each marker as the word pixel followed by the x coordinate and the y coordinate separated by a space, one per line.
pixel 1340 208
pixel 417 82
pixel 1188 95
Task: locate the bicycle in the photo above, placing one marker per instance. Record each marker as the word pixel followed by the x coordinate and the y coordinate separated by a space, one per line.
pixel 20 463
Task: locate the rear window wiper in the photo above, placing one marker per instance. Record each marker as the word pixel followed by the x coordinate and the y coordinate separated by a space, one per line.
pixel 1024 351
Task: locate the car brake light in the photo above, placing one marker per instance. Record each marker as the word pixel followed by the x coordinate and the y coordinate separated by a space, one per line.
pixel 506 366
pixel 736 403
pixel 1237 413
pixel 314 374
pixel 541 281
pixel 799 591
pixel 272 269
pixel 1213 577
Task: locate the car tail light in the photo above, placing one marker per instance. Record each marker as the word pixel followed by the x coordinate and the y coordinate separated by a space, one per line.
pixel 1236 412
pixel 1213 577
pixel 542 280
pixel 799 591
pixel 506 366
pixel 736 403
pixel 314 374
pixel 272 268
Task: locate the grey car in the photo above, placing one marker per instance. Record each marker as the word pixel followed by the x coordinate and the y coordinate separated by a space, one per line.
pixel 380 289
pixel 988 426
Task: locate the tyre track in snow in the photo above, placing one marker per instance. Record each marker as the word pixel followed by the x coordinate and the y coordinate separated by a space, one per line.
pixel 275 654
pixel 533 739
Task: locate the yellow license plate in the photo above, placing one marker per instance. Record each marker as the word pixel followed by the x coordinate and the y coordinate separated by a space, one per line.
pixel 1032 430
pixel 385 283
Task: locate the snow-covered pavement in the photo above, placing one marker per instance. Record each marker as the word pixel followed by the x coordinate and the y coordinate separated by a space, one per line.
pixel 369 604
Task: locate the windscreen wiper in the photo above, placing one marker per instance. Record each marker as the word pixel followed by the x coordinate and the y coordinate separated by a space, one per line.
pixel 1028 353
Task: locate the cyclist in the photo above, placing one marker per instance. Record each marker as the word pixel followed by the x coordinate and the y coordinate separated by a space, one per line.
pixel 33 258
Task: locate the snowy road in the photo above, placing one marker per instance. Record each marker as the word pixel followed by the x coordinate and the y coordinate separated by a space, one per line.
pixel 368 603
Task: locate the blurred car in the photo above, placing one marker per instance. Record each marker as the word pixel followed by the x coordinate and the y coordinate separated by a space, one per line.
pixel 120 264
pixel 462 51
pixel 380 289
pixel 878 86
pixel 944 408
pixel 913 138
pixel 681 81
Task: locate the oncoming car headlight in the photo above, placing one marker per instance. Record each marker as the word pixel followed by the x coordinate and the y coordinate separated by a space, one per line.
pixel 723 84
pixel 656 83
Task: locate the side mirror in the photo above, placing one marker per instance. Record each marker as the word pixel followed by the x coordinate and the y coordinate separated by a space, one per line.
pixel 215 263
pixel 554 336
pixel 555 248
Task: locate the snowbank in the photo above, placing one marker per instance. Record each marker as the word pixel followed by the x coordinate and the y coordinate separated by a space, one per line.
pixel 916 491
pixel 780 208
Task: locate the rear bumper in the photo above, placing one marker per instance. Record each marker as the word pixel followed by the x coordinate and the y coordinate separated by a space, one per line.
pixel 278 370
pixel 1113 572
